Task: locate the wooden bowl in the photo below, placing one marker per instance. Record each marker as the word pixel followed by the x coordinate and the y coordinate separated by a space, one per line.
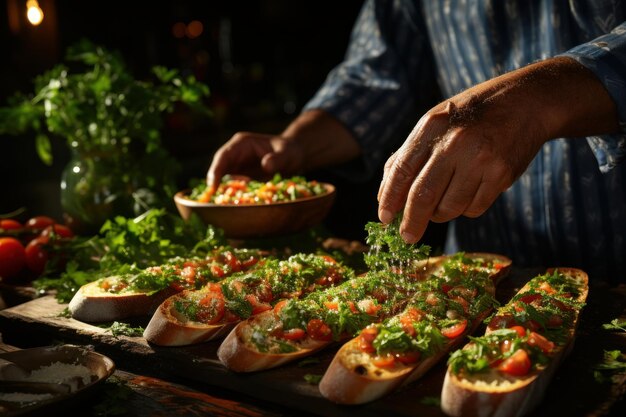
pixel 260 220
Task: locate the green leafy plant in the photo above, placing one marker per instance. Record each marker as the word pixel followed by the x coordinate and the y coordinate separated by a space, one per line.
pixel 99 105
pixel 112 122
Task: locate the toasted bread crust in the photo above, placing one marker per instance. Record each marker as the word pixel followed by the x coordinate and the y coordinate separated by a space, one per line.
pixel 344 384
pixel 165 329
pixel 238 354
pixel 507 396
pixel 92 304
pixel 352 383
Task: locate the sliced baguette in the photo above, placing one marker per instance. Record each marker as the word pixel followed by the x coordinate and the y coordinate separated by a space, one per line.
pixel 353 378
pixel 238 352
pixel 493 393
pixel 91 303
pixel 167 327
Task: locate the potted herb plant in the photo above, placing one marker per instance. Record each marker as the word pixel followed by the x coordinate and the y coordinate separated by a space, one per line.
pixel 112 123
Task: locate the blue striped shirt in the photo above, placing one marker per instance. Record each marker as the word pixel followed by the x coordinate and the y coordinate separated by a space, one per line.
pixel 569 206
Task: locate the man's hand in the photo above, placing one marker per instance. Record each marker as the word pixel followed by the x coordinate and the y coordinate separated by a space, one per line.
pixel 256 155
pixel 466 151
pixel 314 139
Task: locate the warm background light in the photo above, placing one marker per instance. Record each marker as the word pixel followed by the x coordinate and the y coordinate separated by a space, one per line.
pixel 194 29
pixel 34 12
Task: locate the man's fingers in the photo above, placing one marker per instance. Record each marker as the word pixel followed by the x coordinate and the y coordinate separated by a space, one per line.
pixel 406 164
pixel 424 197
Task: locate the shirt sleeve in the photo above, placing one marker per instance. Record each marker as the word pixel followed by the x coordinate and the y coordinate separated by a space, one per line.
pixel 605 56
pixel 386 74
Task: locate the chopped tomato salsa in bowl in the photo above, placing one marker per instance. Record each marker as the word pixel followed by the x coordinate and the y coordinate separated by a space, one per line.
pixel 246 208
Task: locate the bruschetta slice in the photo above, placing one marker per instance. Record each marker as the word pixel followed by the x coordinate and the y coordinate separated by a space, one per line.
pixel 299 328
pixel 446 307
pixel 506 372
pixel 138 293
pixel 202 315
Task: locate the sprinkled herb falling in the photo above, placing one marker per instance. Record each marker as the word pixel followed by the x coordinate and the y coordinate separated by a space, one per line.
pixel 388 251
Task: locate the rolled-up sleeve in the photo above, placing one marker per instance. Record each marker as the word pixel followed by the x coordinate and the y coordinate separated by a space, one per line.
pixel 605 56
pixel 377 87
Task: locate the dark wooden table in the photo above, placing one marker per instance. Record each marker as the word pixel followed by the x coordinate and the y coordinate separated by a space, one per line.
pixel 154 381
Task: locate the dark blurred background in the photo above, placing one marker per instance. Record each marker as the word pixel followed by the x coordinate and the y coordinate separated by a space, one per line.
pixel 262 59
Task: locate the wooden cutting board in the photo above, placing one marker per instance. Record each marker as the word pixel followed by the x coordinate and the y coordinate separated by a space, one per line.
pixel 573 391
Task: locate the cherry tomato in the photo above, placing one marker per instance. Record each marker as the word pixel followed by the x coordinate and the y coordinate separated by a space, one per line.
pixel 366 339
pixel 36 255
pixel 384 361
pixel 39 222
pixel 59 230
pixel 212 309
pixel 12 257
pixel 408 358
pixel 279 306
pixel 535 339
pixel 318 330
pixel 517 364
pixel 521 331
pixel 10 224
pixel 455 330
pixel 294 334
pixel 501 322
pixel 257 306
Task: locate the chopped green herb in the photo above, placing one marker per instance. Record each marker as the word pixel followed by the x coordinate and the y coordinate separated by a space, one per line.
pixel 615 324
pixel 313 379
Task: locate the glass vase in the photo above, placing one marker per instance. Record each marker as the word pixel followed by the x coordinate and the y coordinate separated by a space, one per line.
pixel 95 187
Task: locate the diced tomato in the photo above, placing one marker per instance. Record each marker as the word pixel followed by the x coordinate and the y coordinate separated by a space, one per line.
pixel 251 261
pixel 501 322
pixel 547 288
pixel 455 330
pixel 318 330
pixel 279 306
pixel 232 261
pixel 352 307
pixel 384 361
pixel 257 306
pixel 368 306
pixel 331 305
pixel 445 288
pixel 329 259
pixel 409 317
pixel 188 273
pixel 517 364
pixel 294 334
pixel 408 358
pixel 521 331
pixel 498 266
pixel 366 339
pixel 432 299
pixel 530 298
pixel 217 271
pixel 213 308
pixel 535 339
